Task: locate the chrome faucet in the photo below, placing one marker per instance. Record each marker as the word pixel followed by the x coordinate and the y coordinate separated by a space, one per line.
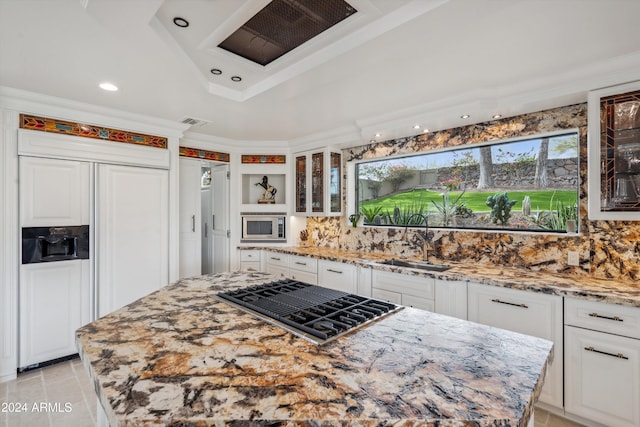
pixel 424 218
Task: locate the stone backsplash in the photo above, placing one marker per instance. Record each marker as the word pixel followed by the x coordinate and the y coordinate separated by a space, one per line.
pixel 608 249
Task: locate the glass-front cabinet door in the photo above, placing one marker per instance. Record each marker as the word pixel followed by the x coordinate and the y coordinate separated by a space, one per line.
pixel 335 184
pixel 614 153
pixel 301 183
pixel 317 184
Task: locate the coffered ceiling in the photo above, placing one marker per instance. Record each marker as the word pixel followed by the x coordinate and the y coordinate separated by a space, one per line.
pixel 391 68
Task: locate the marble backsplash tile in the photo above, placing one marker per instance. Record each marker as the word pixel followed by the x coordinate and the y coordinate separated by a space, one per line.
pixel 607 249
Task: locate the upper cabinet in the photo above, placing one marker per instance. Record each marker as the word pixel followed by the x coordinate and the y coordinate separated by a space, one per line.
pixel 614 153
pixel 318 185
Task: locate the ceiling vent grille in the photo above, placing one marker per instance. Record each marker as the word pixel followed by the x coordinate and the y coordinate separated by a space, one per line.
pixel 283 25
pixel 193 122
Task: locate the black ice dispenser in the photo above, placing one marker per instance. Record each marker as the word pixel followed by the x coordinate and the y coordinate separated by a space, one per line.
pixel 47 244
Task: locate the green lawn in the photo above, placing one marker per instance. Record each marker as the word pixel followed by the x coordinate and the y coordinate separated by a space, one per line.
pixel 474 200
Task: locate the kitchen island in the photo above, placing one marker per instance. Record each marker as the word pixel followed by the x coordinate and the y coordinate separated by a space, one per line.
pixel 181 357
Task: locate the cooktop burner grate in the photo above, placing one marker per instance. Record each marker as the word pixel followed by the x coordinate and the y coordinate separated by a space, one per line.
pixel 312 312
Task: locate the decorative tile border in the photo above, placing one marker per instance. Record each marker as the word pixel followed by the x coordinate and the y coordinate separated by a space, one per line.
pixel 261 158
pixel 197 153
pixel 46 124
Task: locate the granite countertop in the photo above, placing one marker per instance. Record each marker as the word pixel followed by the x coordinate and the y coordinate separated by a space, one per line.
pixel 179 357
pixel 609 291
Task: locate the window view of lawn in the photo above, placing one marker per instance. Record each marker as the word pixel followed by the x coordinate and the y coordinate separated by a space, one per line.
pixel 519 185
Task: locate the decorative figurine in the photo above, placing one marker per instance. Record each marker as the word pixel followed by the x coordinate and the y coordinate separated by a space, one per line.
pixel 270 191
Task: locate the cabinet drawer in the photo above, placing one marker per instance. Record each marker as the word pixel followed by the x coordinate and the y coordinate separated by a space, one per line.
pixel 402 283
pixel 250 255
pixel 303 263
pixel 281 272
pixel 337 275
pixel 304 276
pixel 277 259
pixel 249 265
pixel 417 302
pixel 388 296
pixel 599 316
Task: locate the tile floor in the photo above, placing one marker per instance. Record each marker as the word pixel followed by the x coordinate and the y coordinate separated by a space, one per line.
pixel 72 403
pixel 64 389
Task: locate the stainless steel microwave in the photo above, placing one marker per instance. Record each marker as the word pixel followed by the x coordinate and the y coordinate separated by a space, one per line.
pixel 264 227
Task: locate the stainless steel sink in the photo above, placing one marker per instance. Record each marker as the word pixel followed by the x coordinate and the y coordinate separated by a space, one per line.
pixel 421 265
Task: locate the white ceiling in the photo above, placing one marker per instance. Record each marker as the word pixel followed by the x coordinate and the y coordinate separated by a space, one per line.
pixel 394 64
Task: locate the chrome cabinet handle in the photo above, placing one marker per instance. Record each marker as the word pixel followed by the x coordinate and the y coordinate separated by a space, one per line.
pixel 275 259
pixel 193 223
pixel 509 303
pixel 206 230
pixel 334 271
pixel 300 263
pixel 617 356
pixel 616 318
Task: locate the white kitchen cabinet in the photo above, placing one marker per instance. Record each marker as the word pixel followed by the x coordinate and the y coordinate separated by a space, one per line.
pixel 318 183
pixel 451 298
pixel 133 234
pixel 53 192
pixel 55 301
pixel 250 259
pixel 529 313
pixel 304 269
pixel 412 291
pixel 190 218
pixel 277 263
pixel 338 275
pixel 364 281
pixel 602 362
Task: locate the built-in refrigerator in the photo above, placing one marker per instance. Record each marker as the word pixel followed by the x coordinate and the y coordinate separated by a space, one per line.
pixel 125 211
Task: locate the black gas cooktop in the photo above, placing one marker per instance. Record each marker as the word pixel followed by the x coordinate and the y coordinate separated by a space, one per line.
pixel 312 312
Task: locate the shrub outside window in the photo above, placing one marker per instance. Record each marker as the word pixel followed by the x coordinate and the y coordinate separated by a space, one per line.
pixel 529 184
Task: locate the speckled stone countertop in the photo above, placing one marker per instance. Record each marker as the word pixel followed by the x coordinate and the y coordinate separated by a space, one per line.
pixel 179 357
pixel 609 291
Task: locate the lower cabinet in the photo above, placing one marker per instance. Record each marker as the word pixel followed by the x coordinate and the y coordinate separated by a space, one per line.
pixel 411 291
pixel 277 263
pixel 529 313
pixel 304 269
pixel 602 362
pixel 451 298
pixel 338 275
pixel 250 259
pixel 54 302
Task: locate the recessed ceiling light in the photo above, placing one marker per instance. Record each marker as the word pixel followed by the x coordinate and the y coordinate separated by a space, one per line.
pixel 372 140
pixel 416 126
pixel 425 130
pixel 180 22
pixel 465 116
pixel 216 71
pixel 378 135
pixel 108 86
pixel 236 78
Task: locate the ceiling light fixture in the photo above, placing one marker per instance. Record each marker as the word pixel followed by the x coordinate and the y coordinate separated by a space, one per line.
pixel 497 116
pixel 378 135
pixel 416 126
pixel 216 71
pixel 180 22
pixel 236 78
pixel 425 130
pixel 108 86
pixel 465 116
